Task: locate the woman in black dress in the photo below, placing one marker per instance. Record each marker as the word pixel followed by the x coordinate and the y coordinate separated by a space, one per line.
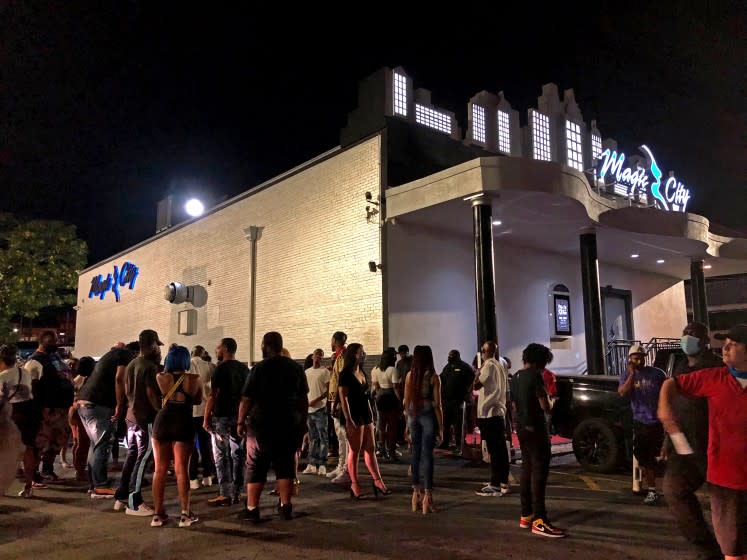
pixel 356 407
pixel 174 432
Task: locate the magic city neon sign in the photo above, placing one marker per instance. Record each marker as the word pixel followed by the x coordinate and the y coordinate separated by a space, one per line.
pixel 122 277
pixel 673 195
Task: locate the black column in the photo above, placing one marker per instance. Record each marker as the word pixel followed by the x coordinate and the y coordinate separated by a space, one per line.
pixel 698 292
pixel 482 227
pixel 592 305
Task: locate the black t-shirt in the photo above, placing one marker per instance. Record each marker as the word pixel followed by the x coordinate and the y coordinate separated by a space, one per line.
pixel 403 366
pixel 100 387
pixel 139 376
pixel 229 378
pixel 456 380
pixel 527 386
pixel 275 387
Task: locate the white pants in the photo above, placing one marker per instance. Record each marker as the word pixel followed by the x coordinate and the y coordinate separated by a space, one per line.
pixel 342 439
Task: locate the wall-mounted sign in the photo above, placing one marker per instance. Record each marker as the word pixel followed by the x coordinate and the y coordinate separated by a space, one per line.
pixel 562 306
pixel 121 277
pixel 643 175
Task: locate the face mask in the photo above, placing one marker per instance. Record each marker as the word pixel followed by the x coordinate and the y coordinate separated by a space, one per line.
pixel 49 348
pixel 690 345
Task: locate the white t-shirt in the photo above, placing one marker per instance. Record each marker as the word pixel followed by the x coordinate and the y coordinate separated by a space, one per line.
pixel 386 379
pixel 318 380
pixel 204 369
pixel 34 368
pixel 491 398
pixel 10 387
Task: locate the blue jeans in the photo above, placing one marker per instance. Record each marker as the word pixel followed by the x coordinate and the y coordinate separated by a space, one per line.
pixel 139 451
pixel 229 456
pixel 422 428
pixel 318 437
pixel 97 420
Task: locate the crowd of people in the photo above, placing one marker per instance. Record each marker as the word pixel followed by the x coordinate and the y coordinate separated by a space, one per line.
pixel 230 424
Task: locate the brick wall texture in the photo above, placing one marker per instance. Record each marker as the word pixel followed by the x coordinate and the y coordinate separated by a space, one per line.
pixel 312 268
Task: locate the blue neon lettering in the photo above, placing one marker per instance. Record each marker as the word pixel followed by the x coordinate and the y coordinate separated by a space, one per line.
pixel 611 163
pixel 126 276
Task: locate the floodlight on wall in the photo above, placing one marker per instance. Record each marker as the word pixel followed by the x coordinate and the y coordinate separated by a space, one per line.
pixel 373 267
pixel 176 292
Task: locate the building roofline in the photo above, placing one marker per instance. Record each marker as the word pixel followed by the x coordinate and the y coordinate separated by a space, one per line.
pixel 246 194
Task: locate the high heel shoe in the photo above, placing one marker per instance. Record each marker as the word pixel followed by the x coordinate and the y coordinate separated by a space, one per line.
pixel 416 499
pixel 428 503
pixel 378 490
pixel 355 496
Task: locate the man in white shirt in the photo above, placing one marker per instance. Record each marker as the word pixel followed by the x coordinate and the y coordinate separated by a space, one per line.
pixel 204 369
pixel 491 383
pixel 317 378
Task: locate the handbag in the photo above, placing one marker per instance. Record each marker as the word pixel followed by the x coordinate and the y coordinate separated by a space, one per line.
pixel 174 387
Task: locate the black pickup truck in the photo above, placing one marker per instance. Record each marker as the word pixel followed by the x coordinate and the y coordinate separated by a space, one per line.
pixel 590 412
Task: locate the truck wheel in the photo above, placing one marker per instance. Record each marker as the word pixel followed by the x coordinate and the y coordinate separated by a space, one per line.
pixel 595 446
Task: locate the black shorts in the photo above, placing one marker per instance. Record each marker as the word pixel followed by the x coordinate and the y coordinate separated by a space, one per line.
pixel 647 442
pixel 260 457
pixel 28 420
pixel 729 515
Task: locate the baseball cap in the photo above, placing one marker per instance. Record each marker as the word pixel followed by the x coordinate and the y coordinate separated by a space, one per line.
pixel 637 349
pixel 148 337
pixel 737 333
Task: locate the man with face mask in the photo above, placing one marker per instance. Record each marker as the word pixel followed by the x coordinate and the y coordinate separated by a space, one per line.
pixel 643 384
pixel 456 386
pixel 725 389
pixel 685 474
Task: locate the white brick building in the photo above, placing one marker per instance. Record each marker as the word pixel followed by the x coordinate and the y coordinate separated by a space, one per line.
pixel 431 193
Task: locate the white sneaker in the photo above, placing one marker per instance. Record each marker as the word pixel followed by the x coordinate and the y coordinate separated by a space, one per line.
pixel 118 505
pixel 141 511
pixel 489 490
pixel 334 473
pixel 505 489
pixel 194 484
pixel 310 469
pixel 342 478
pixel 322 471
pixel 207 480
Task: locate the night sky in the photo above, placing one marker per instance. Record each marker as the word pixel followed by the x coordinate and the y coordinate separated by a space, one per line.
pixel 105 107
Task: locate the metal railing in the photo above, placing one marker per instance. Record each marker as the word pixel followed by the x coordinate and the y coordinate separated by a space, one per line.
pixel 617 352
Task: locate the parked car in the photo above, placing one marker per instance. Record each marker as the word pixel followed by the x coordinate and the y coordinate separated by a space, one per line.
pixel 599 421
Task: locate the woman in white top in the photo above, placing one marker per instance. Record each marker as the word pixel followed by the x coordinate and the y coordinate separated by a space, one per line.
pixel 15 389
pixel 386 383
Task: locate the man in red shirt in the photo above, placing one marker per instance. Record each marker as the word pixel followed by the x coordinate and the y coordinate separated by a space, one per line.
pixel 725 388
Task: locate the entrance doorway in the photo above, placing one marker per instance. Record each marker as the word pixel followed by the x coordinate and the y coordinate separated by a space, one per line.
pixel 617 317
pixel 617 314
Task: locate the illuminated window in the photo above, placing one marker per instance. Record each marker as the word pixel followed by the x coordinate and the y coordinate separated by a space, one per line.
pixel 432 118
pixel 541 136
pixel 478 123
pixel 400 95
pixel 596 146
pixel 504 132
pixel 573 146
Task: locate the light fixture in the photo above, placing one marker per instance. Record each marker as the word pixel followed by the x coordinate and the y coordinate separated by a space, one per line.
pixel 497 222
pixel 194 207
pixel 373 267
pixel 707 266
pixel 15 330
pixel 634 256
pixel 660 261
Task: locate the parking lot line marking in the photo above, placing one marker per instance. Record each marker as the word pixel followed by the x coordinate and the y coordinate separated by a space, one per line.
pixel 590 482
